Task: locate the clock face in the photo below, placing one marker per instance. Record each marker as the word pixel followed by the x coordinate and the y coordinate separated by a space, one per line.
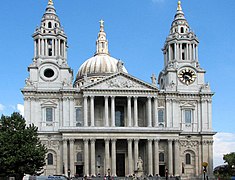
pixel 187 76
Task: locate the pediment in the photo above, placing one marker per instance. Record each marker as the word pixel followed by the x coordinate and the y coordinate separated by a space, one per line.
pixel 48 104
pixel 121 81
pixel 187 105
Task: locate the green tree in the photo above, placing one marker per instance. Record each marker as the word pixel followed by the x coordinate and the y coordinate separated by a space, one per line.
pixel 21 151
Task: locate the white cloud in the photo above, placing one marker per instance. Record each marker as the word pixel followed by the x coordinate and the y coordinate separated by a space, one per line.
pixel 20 108
pixel 224 143
pixel 2 107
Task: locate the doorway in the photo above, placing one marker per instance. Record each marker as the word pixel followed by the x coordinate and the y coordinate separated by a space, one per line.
pixel 120 165
pixel 79 170
pixel 162 170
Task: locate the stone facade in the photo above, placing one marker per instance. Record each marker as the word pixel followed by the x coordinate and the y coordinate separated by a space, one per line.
pixel 107 120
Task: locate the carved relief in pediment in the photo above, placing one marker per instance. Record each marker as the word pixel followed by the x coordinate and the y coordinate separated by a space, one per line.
pixel 121 82
pixel 189 143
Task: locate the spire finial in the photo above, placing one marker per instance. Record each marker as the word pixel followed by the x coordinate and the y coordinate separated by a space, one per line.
pixel 50 2
pixel 179 8
pixel 101 25
pixel 102 42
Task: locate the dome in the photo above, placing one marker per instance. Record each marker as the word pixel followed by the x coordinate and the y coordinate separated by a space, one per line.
pixel 101 64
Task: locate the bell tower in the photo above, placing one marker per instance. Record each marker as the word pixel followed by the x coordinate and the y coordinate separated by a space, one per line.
pixel 49 68
pixel 182 71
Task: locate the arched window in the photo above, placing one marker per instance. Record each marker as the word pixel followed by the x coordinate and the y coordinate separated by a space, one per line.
pixel 161 157
pixel 50 159
pixel 49 25
pixel 79 157
pixel 188 158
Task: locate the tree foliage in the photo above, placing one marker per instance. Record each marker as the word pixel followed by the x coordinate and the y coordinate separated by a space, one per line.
pixel 230 159
pixel 21 151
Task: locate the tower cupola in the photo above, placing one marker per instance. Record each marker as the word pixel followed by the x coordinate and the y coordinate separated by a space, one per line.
pixel 50 39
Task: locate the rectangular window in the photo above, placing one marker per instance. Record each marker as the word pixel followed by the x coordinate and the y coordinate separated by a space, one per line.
pixel 79 117
pixel 49 114
pixel 119 116
pixel 161 116
pixel 188 116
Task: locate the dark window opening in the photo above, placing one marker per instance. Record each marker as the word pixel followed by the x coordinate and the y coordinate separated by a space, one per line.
pixel 50 52
pixel 49 114
pixel 119 116
pixel 50 159
pixel 49 25
pixel 182 30
pixel 188 158
pixel 49 73
pixel 161 157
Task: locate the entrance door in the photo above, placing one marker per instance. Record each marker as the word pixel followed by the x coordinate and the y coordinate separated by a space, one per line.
pixel 79 170
pixel 120 165
pixel 162 170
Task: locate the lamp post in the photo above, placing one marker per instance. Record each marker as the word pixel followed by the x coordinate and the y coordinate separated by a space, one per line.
pixel 166 174
pixel 69 173
pixel 204 165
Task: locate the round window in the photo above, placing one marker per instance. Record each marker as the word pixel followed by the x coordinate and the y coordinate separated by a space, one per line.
pixel 49 73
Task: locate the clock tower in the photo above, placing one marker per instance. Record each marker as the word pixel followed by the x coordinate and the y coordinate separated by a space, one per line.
pixel 182 71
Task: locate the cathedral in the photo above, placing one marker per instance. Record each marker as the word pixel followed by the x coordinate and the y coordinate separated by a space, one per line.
pixel 106 121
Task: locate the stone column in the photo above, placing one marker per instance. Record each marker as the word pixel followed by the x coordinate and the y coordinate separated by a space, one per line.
pixel 106 106
pixel 107 155
pixel 71 148
pixel 180 51
pixel 113 111
pixel 175 49
pixel 93 163
pixel 177 160
pixel 43 47
pixel 59 47
pixel 114 157
pixel 210 154
pixel 135 112
pixel 129 111
pixel 35 49
pixel 149 112
pixel 92 111
pixel 130 159
pixel 65 156
pixel 85 111
pixel 150 157
pixel 86 157
pixel 39 47
pixel 136 153
pixel 56 47
pixel 196 53
pixel 170 159
pixel 209 115
pixel 156 156
pixel 155 112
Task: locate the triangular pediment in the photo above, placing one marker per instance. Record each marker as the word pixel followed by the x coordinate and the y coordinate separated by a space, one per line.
pixel 48 103
pixel 121 81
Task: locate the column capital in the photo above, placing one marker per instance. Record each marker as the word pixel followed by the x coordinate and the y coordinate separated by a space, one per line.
pixel 85 96
pixel 136 140
pixel 129 97
pixel 106 97
pixel 135 97
pixel 92 96
pixel 86 140
pixel 176 140
pixel 150 140
pixel 157 140
pixel 107 139
pixel 170 140
pixel 71 140
pixel 92 140
pixel 113 97
pixel 149 97
pixel 113 140
pixel 130 139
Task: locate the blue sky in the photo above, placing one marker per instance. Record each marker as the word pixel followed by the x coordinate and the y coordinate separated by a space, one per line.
pixel 136 30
